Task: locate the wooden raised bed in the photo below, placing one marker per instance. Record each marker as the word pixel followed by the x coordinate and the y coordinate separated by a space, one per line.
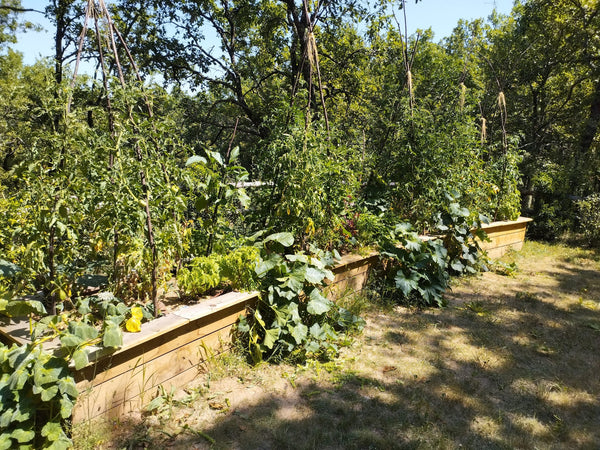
pixel 351 275
pixel 352 272
pixel 171 350
pixel 505 236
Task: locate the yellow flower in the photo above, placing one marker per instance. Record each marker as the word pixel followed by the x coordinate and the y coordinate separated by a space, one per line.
pixel 134 323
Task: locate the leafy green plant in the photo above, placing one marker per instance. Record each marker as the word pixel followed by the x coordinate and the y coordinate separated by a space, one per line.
pixel 419 265
pixel 238 268
pixel 312 180
pixel 204 274
pixel 37 391
pixel 293 317
pixel 506 269
pixel 214 184
pixel 235 269
pixel 37 394
pixel 370 228
pixel 589 218
pixel 462 234
pixel 97 320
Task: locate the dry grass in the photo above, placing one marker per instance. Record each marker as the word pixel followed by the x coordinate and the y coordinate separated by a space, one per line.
pixel 513 362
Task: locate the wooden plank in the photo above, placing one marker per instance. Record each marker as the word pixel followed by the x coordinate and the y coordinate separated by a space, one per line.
pixel 15 330
pixel 349 262
pixel 118 363
pixel 504 240
pixel 138 384
pixel 178 318
pixel 348 286
pixel 351 273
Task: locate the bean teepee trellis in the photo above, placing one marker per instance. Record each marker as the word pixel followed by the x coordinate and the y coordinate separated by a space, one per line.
pixel 97 11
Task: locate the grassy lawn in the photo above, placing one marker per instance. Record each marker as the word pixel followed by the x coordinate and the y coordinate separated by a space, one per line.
pixel 512 362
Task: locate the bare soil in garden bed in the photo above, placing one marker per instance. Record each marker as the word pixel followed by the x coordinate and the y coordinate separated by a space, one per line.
pixel 512 362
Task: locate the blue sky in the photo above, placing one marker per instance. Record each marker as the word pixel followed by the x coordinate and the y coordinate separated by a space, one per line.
pixel 440 15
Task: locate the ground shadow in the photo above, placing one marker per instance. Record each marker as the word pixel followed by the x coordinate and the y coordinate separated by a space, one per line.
pixel 504 366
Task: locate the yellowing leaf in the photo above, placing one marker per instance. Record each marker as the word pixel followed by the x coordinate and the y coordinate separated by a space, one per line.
pixel 133 325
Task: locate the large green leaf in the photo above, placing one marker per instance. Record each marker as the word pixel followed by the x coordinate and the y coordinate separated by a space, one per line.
pixel 22 436
pixel 288 294
pixel 8 269
pixel 80 358
pixel 6 417
pixel 66 407
pixel 20 308
pixel 6 442
pixel 457 265
pixel 298 332
pixel 318 304
pixel 49 372
pixel 271 337
pixel 317 332
pixel 23 412
pixel 69 340
pixel 315 276
pixel 67 386
pixel 63 443
pixel 21 355
pixel 407 283
pixel 265 265
pixel 286 239
pixel 113 336
pixel 295 279
pixel 49 394
pixel 83 330
pixel 18 378
pixel 195 160
pixel 457 210
pixel 215 156
pixel 298 257
pixel 234 153
pixel 413 244
pixel 52 431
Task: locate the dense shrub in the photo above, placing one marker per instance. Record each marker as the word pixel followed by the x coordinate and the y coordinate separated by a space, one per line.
pixel 589 219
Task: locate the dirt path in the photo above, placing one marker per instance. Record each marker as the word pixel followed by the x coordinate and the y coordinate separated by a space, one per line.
pixel 513 362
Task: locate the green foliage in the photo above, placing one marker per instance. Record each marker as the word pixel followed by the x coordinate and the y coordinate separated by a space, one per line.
pixel 293 318
pixel 37 395
pixel 204 274
pixel 235 269
pixel 462 233
pixel 418 266
pixel 589 219
pixel 37 391
pixel 507 195
pixel 96 320
pixel 238 268
pixel 506 269
pixel 215 199
pixel 370 228
pixel 312 180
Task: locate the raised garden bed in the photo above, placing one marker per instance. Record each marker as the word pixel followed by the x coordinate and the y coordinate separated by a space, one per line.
pixel 505 236
pixel 170 351
pixel 351 274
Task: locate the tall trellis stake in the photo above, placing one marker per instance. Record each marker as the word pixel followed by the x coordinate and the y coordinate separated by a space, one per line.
pixel 97 10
